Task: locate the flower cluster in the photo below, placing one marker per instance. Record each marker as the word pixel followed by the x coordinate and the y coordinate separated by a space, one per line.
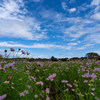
pixel 39 83
pixel 51 77
pixel 23 93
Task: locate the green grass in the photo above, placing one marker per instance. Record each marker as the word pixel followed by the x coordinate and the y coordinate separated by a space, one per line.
pixel 70 71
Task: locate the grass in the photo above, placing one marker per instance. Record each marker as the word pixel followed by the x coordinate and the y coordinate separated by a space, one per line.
pixel 70 80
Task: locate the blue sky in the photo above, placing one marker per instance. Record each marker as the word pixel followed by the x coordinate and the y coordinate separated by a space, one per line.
pixel 45 28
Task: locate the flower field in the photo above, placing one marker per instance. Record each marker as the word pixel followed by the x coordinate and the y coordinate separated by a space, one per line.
pixel 70 80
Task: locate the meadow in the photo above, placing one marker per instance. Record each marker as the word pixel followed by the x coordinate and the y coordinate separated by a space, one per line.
pixel 69 80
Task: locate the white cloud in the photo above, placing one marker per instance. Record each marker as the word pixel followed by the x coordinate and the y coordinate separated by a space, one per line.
pixel 96 16
pixel 95 2
pixel 64 6
pixel 35 45
pixel 72 10
pixel 72 1
pixel 94 38
pixel 14 24
pixel 72 43
pixel 36 0
pixel 85 46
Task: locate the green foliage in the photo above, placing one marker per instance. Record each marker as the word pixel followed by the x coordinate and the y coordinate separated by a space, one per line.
pixel 92 55
pixel 53 58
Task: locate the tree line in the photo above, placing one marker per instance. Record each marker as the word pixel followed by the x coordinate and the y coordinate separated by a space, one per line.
pixel 90 55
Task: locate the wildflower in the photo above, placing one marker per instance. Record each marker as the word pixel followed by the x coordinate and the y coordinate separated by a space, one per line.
pixel 39 63
pixel 47 98
pixel 26 91
pixel 80 94
pixel 9 64
pixel 36 96
pixel 33 78
pixel 90 84
pixel 87 63
pixel 73 89
pixel 21 94
pixel 10 77
pixel 3 96
pixel 85 81
pixel 93 89
pixel 96 98
pixel 2 68
pixel 12 87
pixel 51 77
pixel 41 82
pixel 69 85
pixel 12 49
pixel 23 52
pixel 42 91
pixel 83 69
pixel 92 93
pixel 64 81
pixel 67 89
pixel 7 82
pixel 47 90
pixel 29 86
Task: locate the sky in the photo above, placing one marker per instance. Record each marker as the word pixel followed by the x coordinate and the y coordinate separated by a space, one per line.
pixel 45 28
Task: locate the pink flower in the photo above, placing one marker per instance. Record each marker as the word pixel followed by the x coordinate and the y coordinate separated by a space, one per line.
pixel 47 98
pixel 29 86
pixel 47 90
pixel 33 78
pixel 73 89
pixel 7 82
pixel 85 81
pixel 51 77
pixel 12 87
pixel 41 82
pixel 21 94
pixel 10 77
pixel 42 91
pixel 87 63
pixel 12 49
pixel 23 52
pixel 92 93
pixel 36 96
pixel 3 96
pixel 93 89
pixel 64 81
pixel 83 69
pixel 69 85
pixel 9 64
pixel 26 91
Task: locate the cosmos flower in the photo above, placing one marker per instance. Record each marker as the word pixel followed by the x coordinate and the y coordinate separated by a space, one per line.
pixel 51 77
pixel 3 96
pixel 10 77
pixel 21 94
pixel 23 52
pixel 12 49
pixel 47 90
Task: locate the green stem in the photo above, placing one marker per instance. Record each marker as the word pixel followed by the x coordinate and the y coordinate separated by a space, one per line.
pixel 60 90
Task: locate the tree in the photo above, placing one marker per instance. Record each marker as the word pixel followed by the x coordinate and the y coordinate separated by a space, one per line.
pixel 53 58
pixel 92 55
